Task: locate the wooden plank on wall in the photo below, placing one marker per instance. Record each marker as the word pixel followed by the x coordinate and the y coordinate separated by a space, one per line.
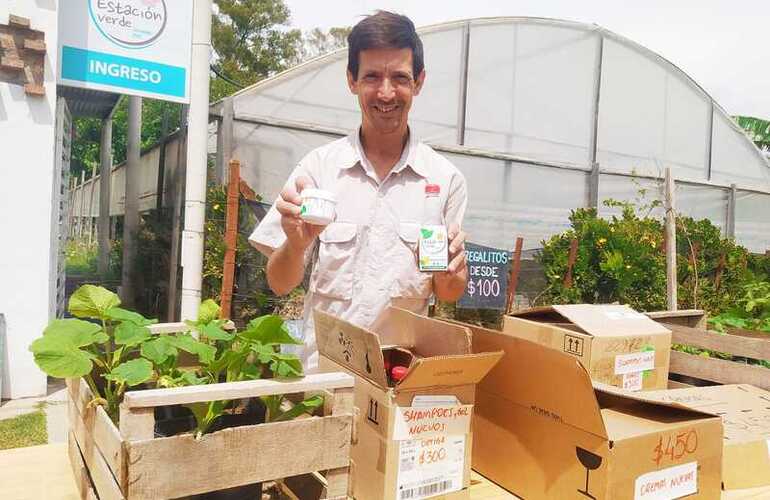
pixel 719 370
pixel 755 348
pixel 319 443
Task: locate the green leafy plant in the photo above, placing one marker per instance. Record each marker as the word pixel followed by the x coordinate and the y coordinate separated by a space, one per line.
pixel 751 311
pixel 116 350
pixel 101 350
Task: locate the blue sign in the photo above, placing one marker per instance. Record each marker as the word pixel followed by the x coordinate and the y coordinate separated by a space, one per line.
pixel 122 72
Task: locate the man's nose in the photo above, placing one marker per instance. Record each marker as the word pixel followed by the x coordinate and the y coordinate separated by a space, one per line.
pixel 386 90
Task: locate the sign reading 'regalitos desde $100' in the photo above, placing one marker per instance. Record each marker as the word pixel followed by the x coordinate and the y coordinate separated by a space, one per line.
pixel 135 47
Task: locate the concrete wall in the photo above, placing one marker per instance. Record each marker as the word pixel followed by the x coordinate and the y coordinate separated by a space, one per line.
pixel 27 129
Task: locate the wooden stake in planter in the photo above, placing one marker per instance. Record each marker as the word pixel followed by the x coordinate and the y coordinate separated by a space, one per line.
pixel 514 279
pixel 231 237
pixel 573 247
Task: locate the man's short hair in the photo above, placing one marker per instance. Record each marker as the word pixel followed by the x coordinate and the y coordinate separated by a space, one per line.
pixel 384 30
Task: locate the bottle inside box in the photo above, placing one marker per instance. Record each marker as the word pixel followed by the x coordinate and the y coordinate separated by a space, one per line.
pixel 397 362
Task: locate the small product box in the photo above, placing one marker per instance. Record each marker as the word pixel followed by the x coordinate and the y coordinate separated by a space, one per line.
pixel 543 429
pixel 412 435
pixel 617 345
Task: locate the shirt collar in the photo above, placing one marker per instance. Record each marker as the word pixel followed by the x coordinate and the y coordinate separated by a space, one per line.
pixel 408 156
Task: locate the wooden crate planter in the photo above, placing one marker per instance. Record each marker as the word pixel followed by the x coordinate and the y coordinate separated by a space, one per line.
pixel 128 462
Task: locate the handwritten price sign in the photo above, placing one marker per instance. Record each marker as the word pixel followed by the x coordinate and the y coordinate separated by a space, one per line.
pixel 674 447
pixel 423 422
pixel 488 272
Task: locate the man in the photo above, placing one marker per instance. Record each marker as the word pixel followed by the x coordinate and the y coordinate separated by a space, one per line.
pixel 366 259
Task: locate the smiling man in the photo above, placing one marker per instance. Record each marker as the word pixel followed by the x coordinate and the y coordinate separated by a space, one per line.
pixel 366 259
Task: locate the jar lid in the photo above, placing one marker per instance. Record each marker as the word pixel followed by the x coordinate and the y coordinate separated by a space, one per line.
pixel 432 189
pixel 318 193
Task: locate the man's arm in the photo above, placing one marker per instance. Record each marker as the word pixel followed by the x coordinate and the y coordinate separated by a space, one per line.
pixel 286 265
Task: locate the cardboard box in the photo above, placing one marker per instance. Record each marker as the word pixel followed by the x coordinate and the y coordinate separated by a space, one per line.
pixel 745 412
pixel 617 345
pixel 413 440
pixel 541 430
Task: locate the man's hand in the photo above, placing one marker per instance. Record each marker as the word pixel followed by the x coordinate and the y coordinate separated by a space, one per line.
pixel 299 234
pixel 286 264
pixel 450 284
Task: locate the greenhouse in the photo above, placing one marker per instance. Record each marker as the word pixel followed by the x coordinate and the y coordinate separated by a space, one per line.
pixel 542 116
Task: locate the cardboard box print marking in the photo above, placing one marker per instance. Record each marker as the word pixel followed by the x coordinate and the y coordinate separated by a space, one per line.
pixel 414 438
pixel 617 345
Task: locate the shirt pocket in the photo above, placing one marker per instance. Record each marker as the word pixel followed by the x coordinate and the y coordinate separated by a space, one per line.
pixel 410 282
pixel 333 273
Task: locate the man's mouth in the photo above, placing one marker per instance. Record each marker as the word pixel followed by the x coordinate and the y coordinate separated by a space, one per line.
pixel 382 108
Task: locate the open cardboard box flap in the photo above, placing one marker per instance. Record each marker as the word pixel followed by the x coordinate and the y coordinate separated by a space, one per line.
pixel 646 397
pixel 598 320
pixel 426 337
pixel 449 371
pixel 445 349
pixel 734 402
pixel 541 379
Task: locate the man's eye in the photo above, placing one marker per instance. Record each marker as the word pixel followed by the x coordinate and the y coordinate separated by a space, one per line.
pixel 403 79
pixel 370 78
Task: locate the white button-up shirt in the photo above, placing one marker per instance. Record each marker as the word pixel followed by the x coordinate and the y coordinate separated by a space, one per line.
pixel 366 259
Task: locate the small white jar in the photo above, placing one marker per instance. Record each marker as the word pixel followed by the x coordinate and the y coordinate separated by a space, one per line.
pixel 317 206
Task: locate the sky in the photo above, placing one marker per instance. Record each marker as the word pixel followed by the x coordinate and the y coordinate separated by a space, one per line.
pixel 721 44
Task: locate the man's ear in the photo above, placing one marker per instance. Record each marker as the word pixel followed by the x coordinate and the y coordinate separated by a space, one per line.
pixel 419 82
pixel 352 84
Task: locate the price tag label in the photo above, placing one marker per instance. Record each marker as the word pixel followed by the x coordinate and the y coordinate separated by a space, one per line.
pixel 430 467
pixel 634 362
pixel 673 482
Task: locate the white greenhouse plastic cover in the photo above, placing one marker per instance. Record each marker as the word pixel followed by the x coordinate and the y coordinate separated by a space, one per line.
pixel 545 99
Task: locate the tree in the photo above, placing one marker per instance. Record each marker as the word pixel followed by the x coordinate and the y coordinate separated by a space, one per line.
pixel 757 129
pixel 85 147
pixel 251 41
pixel 317 42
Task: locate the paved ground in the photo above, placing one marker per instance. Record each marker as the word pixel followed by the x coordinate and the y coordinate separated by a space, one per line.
pixel 54 404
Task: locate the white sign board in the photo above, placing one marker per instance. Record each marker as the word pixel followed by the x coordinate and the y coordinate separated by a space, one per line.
pixel 135 47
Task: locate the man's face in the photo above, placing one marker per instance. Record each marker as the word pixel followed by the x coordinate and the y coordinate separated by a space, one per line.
pixel 385 87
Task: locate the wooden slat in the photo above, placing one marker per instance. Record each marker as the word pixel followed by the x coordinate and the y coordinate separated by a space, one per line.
pixel 34 45
pixel 169 328
pixel 136 423
pixel 755 348
pixel 337 483
pixel 673 384
pixel 263 452
pixel 18 21
pixel 99 425
pixel 105 483
pixel 235 390
pixel 179 327
pixel 79 470
pixel 11 63
pixel 719 370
